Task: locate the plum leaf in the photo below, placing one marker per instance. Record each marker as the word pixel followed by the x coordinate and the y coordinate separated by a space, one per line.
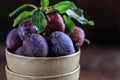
pixel 44 3
pixel 91 22
pixel 39 21
pixel 21 8
pixel 69 24
pixel 77 14
pixel 22 16
pixel 61 7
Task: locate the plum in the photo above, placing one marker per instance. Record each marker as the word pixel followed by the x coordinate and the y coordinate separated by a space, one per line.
pixel 78 36
pixel 60 44
pixel 13 41
pixel 35 45
pixel 26 28
pixel 19 51
pixel 55 23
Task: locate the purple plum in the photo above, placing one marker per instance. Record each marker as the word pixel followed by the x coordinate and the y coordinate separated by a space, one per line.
pixel 78 36
pixel 19 51
pixel 26 28
pixel 13 41
pixel 55 23
pixel 60 44
pixel 35 45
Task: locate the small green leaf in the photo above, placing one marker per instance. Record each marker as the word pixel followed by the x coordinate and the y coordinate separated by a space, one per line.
pixel 91 23
pixel 69 24
pixel 61 7
pixel 44 3
pixel 77 14
pixel 21 8
pixel 22 16
pixel 39 21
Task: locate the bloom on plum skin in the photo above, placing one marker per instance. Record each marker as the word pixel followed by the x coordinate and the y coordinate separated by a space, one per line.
pixel 26 28
pixel 60 44
pixel 78 36
pixel 13 41
pixel 35 45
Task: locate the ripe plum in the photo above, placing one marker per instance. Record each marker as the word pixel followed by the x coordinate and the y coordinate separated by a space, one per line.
pixel 35 45
pixel 60 44
pixel 13 41
pixel 25 28
pixel 78 36
pixel 55 23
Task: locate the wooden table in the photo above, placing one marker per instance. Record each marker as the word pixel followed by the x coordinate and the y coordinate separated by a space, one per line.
pixel 97 63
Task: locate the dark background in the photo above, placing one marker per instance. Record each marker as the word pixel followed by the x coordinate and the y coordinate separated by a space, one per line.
pixel 101 59
pixel 105 13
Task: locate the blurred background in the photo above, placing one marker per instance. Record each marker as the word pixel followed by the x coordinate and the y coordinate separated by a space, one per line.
pixel 100 59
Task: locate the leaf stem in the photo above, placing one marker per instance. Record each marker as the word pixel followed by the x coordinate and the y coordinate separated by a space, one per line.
pixel 86 40
pixel 22 7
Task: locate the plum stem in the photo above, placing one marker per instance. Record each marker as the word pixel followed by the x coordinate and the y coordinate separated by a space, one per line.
pixel 86 40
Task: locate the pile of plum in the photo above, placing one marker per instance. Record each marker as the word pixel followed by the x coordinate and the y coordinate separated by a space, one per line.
pixel 53 41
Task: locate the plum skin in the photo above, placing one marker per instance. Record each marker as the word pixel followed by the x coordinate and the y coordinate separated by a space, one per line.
pixel 26 28
pixel 35 45
pixel 78 36
pixel 55 23
pixel 60 44
pixel 13 41
pixel 19 51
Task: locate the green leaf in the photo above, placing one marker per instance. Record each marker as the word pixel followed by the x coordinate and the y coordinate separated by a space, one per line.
pixel 77 14
pixel 69 24
pixel 39 21
pixel 44 3
pixel 78 11
pixel 91 23
pixel 61 7
pixel 21 8
pixel 22 16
